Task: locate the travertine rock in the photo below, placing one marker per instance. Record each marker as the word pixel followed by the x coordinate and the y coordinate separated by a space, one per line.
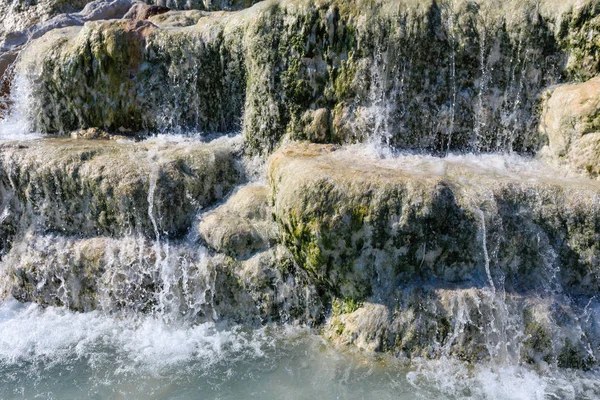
pixel 98 187
pixel 571 121
pixel 361 226
pixel 242 226
pixel 331 71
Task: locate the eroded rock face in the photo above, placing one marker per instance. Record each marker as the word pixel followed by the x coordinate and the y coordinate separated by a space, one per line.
pixel 361 226
pixel 125 274
pixel 420 75
pixel 431 322
pixel 417 254
pixel 242 226
pixel 175 280
pixel 142 11
pixel 367 327
pixel 571 121
pixel 21 22
pixel 142 71
pixel 93 187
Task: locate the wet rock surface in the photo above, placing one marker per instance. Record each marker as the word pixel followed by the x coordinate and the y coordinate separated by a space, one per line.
pixel 429 321
pixel 423 254
pixel 416 253
pixel 173 278
pixel 362 227
pixel 242 225
pixel 324 72
pixel 93 187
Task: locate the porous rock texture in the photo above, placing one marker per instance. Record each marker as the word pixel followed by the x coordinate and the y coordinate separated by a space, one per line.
pixel 363 227
pixel 242 225
pixel 571 121
pixel 169 278
pixel 424 74
pixel 96 187
pixel 472 256
pixel 416 254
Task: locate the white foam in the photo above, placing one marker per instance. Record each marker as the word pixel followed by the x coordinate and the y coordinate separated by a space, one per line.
pixel 509 165
pixel 454 379
pixel 94 354
pixel 31 333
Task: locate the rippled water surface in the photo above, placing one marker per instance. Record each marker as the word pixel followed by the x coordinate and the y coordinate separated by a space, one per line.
pixel 57 354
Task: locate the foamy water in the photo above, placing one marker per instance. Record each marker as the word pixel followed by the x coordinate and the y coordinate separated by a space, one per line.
pixel 53 353
pixel 510 165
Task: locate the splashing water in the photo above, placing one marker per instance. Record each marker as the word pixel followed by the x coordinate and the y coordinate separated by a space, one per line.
pixel 16 124
pixel 53 353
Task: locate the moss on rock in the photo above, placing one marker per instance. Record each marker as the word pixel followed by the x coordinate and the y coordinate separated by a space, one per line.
pixel 92 187
pixel 362 226
pixel 418 74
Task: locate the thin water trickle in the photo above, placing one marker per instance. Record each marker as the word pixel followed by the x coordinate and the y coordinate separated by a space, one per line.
pixel 449 7
pixel 480 124
pixel 486 257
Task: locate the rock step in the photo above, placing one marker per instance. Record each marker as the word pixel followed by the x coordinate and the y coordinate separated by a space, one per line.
pixel 177 279
pixel 101 187
pixel 242 225
pixel 364 226
pixel 328 71
pixel 471 324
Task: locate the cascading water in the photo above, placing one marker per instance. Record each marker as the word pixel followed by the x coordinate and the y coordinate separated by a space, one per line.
pixel 253 265
pixel 453 93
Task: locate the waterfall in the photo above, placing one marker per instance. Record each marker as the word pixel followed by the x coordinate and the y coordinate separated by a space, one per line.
pixel 225 199
pixel 15 123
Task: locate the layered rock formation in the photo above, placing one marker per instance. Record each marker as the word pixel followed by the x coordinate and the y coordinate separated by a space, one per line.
pixel 105 187
pixel 423 75
pixel 362 227
pixel 419 256
pixel 475 256
pixel 423 251
pixel 21 22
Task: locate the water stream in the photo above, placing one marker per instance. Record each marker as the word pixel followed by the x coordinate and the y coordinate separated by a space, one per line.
pixel 109 290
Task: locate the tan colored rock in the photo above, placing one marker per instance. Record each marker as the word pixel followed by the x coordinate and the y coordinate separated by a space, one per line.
pixel 90 133
pixel 365 328
pixel 141 11
pixel 90 187
pixel 241 226
pixel 468 323
pixel 571 114
pixel 357 223
pixel 262 70
pixel 585 154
